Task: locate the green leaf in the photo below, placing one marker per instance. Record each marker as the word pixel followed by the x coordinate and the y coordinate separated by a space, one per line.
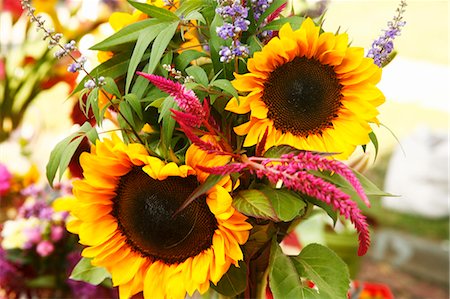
pixel 276 25
pixel 284 280
pixel 190 6
pixel 198 73
pixel 374 140
pixel 278 151
pixel 286 203
pixel 154 11
pixel 225 85
pixel 268 203
pixel 168 123
pixel 254 203
pixel 325 269
pixel 127 113
pixel 272 8
pixel 160 44
pixel 111 87
pixel 68 153
pixel 254 44
pixel 369 188
pixel 114 68
pixel 186 57
pixel 125 35
pixel 144 40
pixel 132 99
pixel 84 271
pixel 59 155
pixel 323 205
pixel 233 282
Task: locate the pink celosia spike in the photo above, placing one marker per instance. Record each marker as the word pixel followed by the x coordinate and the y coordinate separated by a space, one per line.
pixel 316 187
pixel 203 145
pixel 311 161
pixel 186 99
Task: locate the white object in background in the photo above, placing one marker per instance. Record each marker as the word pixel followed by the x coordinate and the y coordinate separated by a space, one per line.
pixel 419 174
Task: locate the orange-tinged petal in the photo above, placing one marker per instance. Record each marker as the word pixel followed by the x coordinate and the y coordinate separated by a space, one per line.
pixel 126 269
pixel 94 233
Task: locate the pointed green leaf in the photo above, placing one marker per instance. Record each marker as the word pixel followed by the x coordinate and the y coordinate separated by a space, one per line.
pixel 284 280
pixel 132 99
pixel 278 151
pixel 226 86
pixel 125 35
pixel 374 140
pixel 144 40
pixel 68 153
pixel 295 22
pixel 268 203
pixel 186 57
pixel 160 45
pixel 154 11
pixel 325 269
pixel 254 203
pixel 127 112
pixel 286 203
pixel 198 73
pixel 233 282
pixel 64 150
pixel 84 271
pixel 111 87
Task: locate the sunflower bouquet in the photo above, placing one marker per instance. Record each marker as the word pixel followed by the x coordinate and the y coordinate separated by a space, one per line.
pixel 228 122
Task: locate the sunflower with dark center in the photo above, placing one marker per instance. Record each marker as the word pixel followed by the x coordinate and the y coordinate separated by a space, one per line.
pixel 124 211
pixel 309 90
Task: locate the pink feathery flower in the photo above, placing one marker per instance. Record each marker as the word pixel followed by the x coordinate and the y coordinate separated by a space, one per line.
pixel 186 99
pixel 310 161
pixel 203 145
pixel 316 187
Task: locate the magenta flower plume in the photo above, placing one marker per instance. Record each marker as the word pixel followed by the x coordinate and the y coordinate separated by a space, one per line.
pixel 186 99
pixel 310 161
pixel 316 187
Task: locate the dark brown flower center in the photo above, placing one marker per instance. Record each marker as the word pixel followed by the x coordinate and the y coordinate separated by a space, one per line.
pixel 144 209
pixel 303 96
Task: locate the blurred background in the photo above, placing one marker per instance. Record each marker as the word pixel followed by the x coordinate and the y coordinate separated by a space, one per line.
pixel 410 250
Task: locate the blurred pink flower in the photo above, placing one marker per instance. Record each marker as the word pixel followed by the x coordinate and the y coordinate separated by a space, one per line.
pixel 57 232
pixel 5 179
pixel 45 248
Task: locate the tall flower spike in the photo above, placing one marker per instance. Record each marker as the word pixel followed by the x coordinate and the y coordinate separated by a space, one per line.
pixel 294 176
pixel 384 45
pixel 185 99
pixel 318 188
pixel 309 161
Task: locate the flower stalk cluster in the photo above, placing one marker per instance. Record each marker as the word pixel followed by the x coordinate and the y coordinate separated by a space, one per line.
pixel 235 23
pixel 384 45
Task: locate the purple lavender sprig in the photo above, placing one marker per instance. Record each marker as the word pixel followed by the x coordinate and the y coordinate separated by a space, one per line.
pixel 235 22
pixel 384 45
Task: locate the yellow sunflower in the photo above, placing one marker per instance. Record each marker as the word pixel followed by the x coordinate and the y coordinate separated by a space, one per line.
pixel 309 90
pixel 123 211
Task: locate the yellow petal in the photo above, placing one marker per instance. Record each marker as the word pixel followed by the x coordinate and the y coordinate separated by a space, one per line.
pixel 94 233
